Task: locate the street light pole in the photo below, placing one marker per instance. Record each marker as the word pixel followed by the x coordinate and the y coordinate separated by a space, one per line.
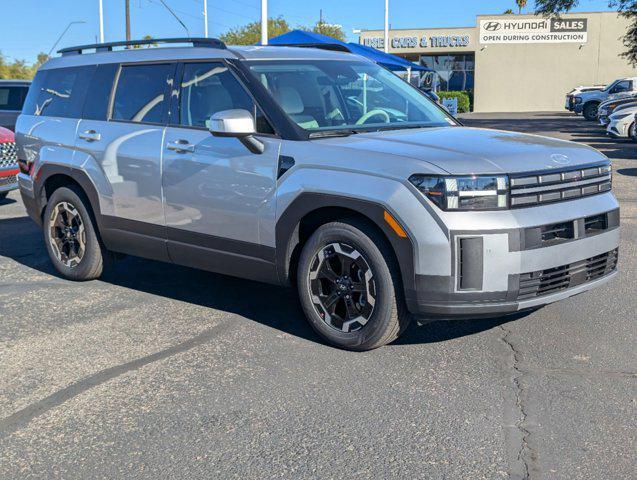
pixel 386 42
pixel 205 18
pixel 264 22
pixel 127 5
pixel 101 21
pixel 62 34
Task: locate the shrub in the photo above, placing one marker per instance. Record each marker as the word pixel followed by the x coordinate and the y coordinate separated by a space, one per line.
pixel 464 102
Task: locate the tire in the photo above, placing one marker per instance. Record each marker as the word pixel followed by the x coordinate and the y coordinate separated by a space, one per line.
pixel 381 308
pixel 631 132
pixel 75 249
pixel 590 111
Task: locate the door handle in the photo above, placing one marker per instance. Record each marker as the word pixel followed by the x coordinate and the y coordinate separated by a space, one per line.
pixel 90 136
pixel 181 146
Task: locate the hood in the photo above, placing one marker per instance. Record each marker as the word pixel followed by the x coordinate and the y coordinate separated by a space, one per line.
pixel 6 135
pixel 623 111
pixel 462 150
pixel 583 88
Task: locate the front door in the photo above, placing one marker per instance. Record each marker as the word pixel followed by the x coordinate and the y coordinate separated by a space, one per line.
pixel 219 198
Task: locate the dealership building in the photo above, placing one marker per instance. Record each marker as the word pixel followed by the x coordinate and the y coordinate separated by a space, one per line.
pixel 517 62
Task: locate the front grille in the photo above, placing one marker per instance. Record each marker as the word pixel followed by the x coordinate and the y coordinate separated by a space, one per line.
pixel 559 185
pixel 10 180
pixel 552 280
pixel 8 155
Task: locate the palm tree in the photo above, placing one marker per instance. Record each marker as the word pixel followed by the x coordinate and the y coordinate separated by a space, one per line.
pixel 521 4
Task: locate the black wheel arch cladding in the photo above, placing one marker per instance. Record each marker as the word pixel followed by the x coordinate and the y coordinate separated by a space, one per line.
pixel 288 235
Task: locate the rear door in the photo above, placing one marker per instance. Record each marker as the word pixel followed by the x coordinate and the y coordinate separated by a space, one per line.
pixel 218 196
pixel 121 135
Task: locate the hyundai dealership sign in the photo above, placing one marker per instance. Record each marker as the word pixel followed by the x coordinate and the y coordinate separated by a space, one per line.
pixel 527 30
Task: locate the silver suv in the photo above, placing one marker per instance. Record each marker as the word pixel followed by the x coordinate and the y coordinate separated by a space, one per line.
pixel 312 168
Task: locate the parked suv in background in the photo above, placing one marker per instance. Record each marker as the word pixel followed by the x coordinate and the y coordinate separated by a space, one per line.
pixel 12 96
pixel 8 163
pixel 586 102
pixel 309 167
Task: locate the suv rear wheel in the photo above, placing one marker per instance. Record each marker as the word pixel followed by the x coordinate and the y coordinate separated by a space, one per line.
pixel 70 236
pixel 349 286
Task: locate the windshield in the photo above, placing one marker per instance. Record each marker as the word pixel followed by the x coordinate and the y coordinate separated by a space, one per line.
pixel 331 96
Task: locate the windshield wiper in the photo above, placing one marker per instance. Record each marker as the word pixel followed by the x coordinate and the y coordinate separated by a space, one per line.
pixel 333 133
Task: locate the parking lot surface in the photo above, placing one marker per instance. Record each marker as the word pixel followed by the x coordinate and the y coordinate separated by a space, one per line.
pixel 158 371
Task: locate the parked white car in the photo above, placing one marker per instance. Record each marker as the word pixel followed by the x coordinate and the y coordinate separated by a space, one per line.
pixel 622 123
pixel 610 106
pixel 586 102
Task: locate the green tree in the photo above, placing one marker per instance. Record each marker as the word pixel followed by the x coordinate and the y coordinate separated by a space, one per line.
pixel 329 29
pixel 627 8
pixel 250 34
pixel 521 4
pixel 508 11
pixel 20 69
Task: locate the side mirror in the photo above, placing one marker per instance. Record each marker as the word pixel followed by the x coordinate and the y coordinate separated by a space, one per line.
pixel 238 124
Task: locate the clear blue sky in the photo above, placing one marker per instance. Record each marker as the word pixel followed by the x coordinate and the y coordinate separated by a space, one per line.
pixel 32 26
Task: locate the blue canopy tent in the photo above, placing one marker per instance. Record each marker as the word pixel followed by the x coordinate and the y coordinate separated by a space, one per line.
pixel 301 38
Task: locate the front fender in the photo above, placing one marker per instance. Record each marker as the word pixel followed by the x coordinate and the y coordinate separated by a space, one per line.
pixel 307 189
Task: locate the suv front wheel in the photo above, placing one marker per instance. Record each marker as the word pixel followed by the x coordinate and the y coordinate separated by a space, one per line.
pixel 349 286
pixel 590 111
pixel 70 236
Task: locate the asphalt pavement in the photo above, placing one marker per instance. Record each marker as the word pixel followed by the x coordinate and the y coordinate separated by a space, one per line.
pixel 158 371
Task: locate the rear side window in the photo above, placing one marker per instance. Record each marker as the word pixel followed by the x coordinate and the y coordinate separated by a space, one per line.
pixel 12 98
pixel 140 94
pixel 59 92
pixel 99 92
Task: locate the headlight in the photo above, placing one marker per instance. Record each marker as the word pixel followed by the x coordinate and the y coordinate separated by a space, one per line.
pixel 619 116
pixel 478 192
pixel 577 99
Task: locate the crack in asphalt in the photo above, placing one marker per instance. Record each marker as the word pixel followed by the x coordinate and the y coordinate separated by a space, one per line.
pixel 22 417
pixel 524 453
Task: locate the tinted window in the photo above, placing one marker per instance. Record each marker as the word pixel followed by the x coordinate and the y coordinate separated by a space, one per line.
pixel 58 93
pixel 12 98
pixel 622 86
pixel 99 92
pixel 140 94
pixel 208 88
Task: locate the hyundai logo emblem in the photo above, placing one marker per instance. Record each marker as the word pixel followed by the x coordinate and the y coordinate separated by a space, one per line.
pixel 492 26
pixel 560 159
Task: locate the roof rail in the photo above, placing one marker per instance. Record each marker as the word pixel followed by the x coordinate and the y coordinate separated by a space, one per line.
pixel 108 47
pixel 335 47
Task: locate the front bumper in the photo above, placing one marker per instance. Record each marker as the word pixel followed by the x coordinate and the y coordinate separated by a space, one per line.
pixel 27 192
pixel 618 128
pixel 500 270
pixel 8 178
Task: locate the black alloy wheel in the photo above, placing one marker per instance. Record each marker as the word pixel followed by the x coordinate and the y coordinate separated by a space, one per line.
pixel 342 287
pixel 67 235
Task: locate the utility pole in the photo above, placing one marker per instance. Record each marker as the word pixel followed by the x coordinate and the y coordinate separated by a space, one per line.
pixel 386 26
pixel 205 18
pixel 127 20
pixel 101 22
pixel 264 22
